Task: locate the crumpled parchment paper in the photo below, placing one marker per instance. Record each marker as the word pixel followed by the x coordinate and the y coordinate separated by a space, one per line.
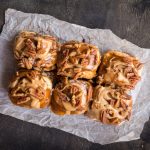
pixel 78 125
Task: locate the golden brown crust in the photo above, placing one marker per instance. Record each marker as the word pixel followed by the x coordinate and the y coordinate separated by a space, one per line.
pixel 110 106
pixel 119 69
pixel 35 51
pixel 30 89
pixel 71 97
pixel 78 60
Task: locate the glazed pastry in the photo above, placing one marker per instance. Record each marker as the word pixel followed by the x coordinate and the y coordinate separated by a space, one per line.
pixel 110 106
pixel 35 51
pixel 78 60
pixel 30 89
pixel 119 69
pixel 71 97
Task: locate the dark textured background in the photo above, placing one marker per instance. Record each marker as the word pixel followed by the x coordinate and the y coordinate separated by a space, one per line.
pixel 129 19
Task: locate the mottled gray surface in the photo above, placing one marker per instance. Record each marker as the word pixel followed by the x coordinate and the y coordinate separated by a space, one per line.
pixel 129 19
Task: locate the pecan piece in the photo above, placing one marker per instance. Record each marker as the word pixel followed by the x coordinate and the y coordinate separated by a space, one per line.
pixel 25 63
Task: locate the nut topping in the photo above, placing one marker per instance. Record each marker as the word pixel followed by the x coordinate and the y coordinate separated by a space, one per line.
pixel 81 60
pixel 42 49
pixel 73 97
pixel 119 69
pixel 30 89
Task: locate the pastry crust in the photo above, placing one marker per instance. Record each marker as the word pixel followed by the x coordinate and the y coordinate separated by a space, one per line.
pixel 35 51
pixel 30 89
pixel 78 60
pixel 119 69
pixel 110 106
pixel 71 97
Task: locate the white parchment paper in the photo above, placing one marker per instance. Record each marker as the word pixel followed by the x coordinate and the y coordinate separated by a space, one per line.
pixel 78 125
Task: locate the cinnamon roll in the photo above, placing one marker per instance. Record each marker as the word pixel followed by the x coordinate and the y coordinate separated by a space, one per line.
pixel 30 89
pixel 119 69
pixel 110 106
pixel 78 60
pixel 35 51
pixel 71 97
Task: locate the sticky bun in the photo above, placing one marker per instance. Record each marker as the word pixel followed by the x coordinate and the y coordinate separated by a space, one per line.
pixel 31 89
pixel 71 97
pixel 110 106
pixel 119 69
pixel 78 60
pixel 35 51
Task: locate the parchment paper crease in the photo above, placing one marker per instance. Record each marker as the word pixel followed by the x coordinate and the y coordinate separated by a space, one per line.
pixel 78 125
